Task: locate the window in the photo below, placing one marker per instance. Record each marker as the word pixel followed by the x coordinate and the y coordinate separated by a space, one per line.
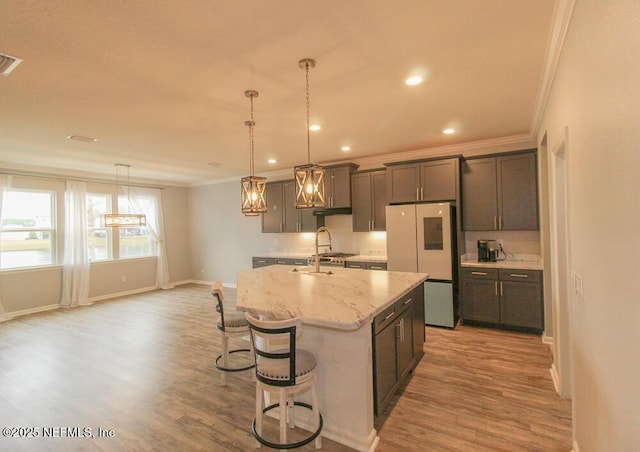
pixel 134 241
pixel 117 243
pixel 99 238
pixel 27 233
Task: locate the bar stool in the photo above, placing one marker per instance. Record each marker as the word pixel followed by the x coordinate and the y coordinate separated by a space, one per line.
pixel 232 324
pixel 286 370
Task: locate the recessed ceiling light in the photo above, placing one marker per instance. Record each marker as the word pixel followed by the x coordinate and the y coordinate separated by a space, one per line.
pixel 413 80
pixel 272 160
pixel 346 148
pixel 215 164
pixel 314 127
pixel 81 138
pixel 448 131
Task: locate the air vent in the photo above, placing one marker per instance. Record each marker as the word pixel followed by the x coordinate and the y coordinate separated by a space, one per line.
pixel 8 64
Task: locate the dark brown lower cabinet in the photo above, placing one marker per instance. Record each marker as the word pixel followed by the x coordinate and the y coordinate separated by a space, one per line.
pixel 398 339
pixel 505 298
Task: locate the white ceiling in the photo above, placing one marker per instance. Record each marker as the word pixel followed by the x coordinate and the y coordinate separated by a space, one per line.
pixel 161 84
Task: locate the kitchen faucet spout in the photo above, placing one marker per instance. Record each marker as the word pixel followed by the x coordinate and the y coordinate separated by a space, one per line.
pixel 321 229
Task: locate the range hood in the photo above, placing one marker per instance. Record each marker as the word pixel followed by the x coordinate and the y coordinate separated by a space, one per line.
pixel 333 211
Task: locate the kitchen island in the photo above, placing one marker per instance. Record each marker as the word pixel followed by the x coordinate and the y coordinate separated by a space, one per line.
pixel 337 311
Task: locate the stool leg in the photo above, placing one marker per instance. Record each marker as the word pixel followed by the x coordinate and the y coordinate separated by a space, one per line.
pixel 283 416
pixel 291 406
pixel 225 359
pixel 259 408
pixel 316 414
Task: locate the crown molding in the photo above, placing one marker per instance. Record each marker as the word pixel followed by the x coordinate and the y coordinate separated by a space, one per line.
pixel 561 19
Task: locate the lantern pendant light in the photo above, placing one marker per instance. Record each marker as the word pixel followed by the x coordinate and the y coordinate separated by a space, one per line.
pixel 116 220
pixel 254 199
pixel 310 177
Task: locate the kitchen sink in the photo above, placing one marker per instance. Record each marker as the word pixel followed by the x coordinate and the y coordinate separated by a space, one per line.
pixel 310 271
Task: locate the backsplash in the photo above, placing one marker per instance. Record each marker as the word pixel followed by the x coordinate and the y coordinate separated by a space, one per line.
pixel 514 242
pixel 342 237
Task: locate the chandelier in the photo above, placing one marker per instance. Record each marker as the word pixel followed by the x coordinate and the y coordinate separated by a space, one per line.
pixel 116 220
pixel 254 199
pixel 309 177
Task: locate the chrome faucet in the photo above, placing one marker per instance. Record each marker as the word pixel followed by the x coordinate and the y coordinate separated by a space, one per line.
pixel 321 229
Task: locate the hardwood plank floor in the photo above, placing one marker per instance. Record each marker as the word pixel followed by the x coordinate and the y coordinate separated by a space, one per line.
pixel 142 367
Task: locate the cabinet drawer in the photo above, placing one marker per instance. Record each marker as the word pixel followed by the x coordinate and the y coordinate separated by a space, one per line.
pixel 385 318
pixel 376 265
pixel 262 261
pixel 404 302
pixel 520 275
pixel 479 273
pixel 356 264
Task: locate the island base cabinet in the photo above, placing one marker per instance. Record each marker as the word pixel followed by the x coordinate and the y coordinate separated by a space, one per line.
pixel 386 367
pixel 398 339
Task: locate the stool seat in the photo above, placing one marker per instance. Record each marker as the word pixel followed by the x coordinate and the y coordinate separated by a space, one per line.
pixel 278 369
pixel 234 319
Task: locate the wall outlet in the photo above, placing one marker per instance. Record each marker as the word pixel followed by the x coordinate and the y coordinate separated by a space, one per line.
pixel 123 278
pixel 577 286
pixel 500 243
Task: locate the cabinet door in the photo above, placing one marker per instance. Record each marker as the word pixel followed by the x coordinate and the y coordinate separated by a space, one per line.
pixel 272 218
pixel 386 370
pixel 517 192
pixel 290 214
pixel 402 183
pixel 479 198
pixel 438 180
pixel 419 334
pixel 405 342
pixel 339 185
pixel 378 200
pixel 361 202
pixel 480 301
pixel 521 304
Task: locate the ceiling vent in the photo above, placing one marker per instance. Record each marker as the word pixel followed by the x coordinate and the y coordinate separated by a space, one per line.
pixel 8 64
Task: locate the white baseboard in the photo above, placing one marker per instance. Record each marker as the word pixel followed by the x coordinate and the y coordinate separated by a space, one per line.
pixel 555 378
pixel 549 340
pixel 121 294
pixel 32 311
pixel 575 446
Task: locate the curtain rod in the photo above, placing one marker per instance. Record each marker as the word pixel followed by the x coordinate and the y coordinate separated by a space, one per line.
pixel 77 179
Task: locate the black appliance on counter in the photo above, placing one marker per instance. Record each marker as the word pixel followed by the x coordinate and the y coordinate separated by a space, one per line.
pixel 487 251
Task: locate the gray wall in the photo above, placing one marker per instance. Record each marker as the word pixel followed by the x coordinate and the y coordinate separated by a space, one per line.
pixel 222 239
pixel 596 95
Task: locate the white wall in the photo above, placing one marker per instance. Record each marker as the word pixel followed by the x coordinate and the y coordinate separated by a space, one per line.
pixel 596 95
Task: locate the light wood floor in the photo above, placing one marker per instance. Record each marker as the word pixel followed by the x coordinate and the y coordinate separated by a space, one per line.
pixel 142 367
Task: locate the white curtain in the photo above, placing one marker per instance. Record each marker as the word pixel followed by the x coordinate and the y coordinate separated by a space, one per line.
pixel 5 185
pixel 148 201
pixel 75 270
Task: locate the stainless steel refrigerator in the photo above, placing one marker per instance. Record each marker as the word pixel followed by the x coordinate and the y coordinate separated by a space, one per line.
pixel 422 238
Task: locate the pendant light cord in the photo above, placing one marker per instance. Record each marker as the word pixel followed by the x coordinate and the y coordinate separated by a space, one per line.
pixel 308 121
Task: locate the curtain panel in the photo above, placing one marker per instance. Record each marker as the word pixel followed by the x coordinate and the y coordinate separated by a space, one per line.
pixel 5 185
pixel 75 265
pixel 148 201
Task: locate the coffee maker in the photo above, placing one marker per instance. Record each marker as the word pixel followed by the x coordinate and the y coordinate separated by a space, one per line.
pixel 487 251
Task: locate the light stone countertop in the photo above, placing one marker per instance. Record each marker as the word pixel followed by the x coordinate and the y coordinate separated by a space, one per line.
pixel 522 262
pixel 346 300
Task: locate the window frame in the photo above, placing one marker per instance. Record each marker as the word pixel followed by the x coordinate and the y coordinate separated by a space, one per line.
pixel 52 230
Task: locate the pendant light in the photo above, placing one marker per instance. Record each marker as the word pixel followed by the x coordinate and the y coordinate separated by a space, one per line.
pixel 310 177
pixel 254 199
pixel 116 220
